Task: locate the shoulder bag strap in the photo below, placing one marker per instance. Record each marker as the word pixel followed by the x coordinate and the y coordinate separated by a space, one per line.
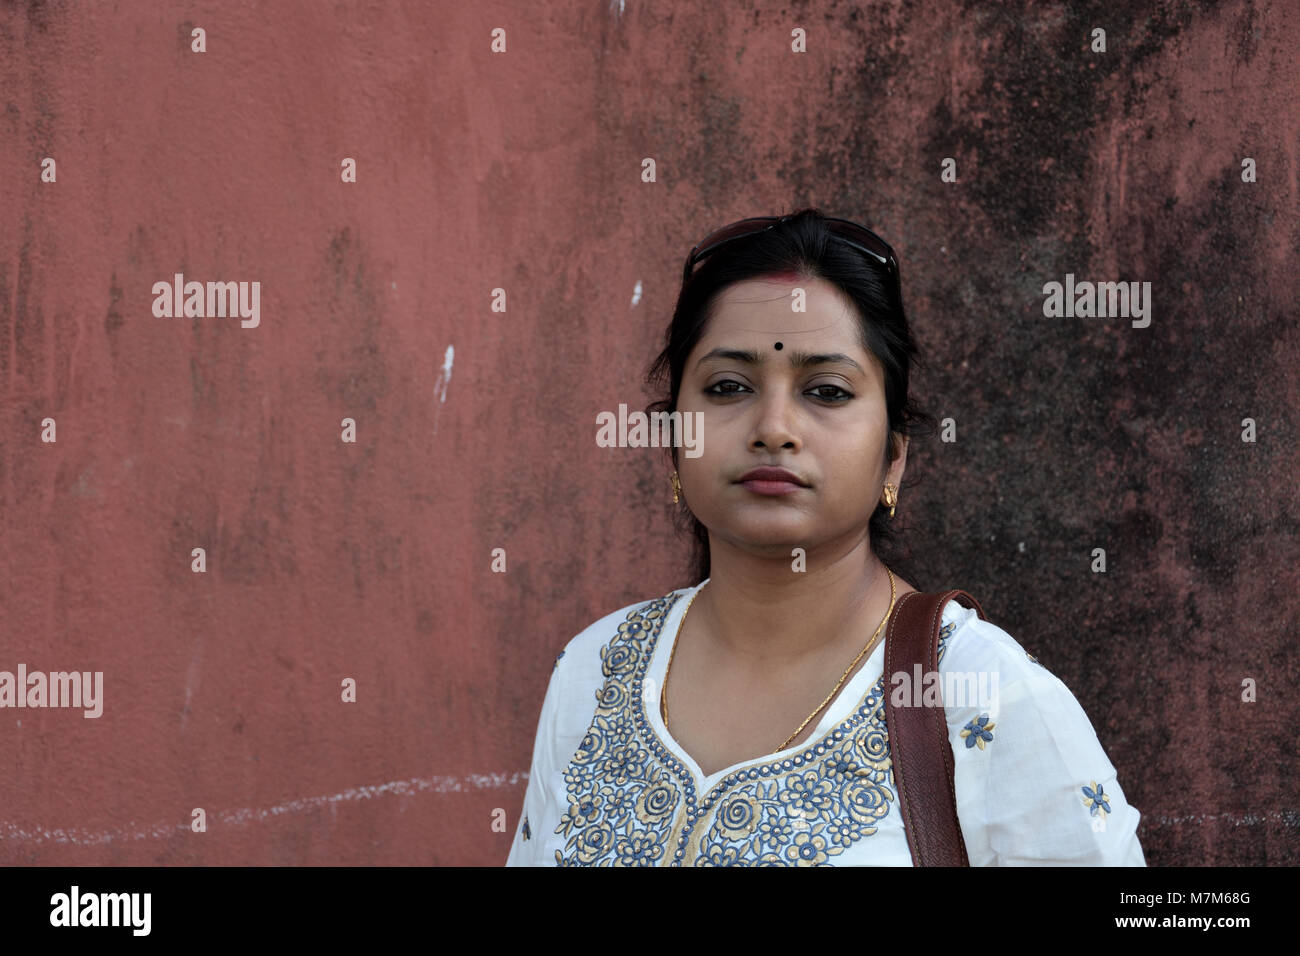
pixel 919 748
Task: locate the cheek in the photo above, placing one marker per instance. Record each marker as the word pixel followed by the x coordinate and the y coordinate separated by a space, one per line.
pixel 860 458
pixel 850 473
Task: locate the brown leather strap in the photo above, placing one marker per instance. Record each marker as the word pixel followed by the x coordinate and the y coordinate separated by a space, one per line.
pixel 919 748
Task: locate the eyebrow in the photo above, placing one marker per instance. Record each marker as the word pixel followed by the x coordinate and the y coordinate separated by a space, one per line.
pixel 799 360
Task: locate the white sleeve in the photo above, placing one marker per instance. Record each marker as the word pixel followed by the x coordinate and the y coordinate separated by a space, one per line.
pixel 1034 786
pixel 567 712
pixel 538 809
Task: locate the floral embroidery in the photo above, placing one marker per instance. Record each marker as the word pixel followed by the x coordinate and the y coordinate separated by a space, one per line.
pixel 528 834
pixel 1095 800
pixel 632 802
pixel 945 632
pixel 977 732
pixel 639 850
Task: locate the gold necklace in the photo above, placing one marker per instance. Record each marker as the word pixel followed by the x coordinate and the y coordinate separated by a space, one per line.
pixel 663 695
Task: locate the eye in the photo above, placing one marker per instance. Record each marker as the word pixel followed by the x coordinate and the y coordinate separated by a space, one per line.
pixel 717 389
pixel 713 389
pixel 833 398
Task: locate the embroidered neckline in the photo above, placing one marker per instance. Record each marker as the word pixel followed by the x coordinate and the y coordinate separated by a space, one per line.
pixel 632 800
pixel 782 761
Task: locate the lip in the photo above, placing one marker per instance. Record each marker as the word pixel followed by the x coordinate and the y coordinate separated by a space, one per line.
pixel 771 481
pixel 772 474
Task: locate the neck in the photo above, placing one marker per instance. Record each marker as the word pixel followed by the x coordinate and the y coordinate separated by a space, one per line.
pixel 766 616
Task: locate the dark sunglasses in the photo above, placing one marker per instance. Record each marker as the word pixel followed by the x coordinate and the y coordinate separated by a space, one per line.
pixel 859 237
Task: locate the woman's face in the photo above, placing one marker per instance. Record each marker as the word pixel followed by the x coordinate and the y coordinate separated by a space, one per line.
pixel 825 422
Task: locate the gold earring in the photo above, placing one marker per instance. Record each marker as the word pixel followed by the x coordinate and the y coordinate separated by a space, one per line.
pixel 677 488
pixel 891 498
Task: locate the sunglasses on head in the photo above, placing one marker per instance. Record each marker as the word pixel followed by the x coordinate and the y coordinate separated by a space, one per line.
pixel 859 237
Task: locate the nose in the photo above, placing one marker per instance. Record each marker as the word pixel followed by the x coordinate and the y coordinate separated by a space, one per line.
pixel 775 426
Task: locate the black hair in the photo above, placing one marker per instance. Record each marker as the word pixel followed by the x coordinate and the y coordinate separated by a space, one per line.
pixel 804 244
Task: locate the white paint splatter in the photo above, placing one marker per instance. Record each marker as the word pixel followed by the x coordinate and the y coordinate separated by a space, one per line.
pixel 636 294
pixel 1288 817
pixel 445 375
pixel 443 378
pixel 163 831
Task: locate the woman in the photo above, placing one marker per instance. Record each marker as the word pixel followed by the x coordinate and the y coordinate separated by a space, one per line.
pixel 719 724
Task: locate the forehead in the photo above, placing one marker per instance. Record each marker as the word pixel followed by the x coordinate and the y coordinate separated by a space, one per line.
pixel 761 312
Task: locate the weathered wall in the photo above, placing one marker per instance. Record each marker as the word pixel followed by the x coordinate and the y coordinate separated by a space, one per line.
pixel 475 428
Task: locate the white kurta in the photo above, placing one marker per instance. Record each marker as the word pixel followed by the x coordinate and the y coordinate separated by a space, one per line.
pixel 609 785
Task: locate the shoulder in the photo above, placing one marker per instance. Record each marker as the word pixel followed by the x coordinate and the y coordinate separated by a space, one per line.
pixel 630 622
pixel 977 653
pixel 1034 786
pixel 968 642
pixel 989 677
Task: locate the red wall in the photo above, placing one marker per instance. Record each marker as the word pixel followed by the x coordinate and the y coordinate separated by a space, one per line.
pixel 523 171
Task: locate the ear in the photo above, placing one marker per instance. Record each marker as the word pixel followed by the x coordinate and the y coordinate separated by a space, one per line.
pixel 894 474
